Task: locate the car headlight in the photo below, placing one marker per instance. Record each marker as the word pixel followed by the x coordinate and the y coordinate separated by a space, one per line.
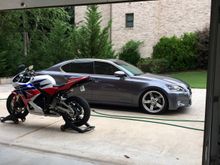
pixel 175 88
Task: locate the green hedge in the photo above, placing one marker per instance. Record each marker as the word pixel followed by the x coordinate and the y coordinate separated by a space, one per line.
pixel 180 52
pixel 130 52
pixel 153 65
pixel 202 47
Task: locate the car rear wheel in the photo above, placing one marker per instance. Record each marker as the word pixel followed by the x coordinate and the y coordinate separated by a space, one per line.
pixel 154 101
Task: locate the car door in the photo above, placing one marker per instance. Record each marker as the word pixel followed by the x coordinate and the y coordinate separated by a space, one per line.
pixel 78 69
pixel 108 88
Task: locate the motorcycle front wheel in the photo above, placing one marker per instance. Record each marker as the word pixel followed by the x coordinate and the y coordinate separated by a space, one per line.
pixel 80 111
pixel 16 107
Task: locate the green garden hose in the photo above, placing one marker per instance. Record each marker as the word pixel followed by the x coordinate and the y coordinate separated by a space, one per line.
pixel 141 120
pixel 150 118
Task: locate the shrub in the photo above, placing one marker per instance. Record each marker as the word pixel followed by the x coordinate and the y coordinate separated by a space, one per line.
pixel 130 52
pixel 179 52
pixel 153 65
pixel 202 48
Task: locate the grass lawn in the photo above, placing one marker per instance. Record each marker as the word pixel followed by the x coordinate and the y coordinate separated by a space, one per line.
pixel 196 79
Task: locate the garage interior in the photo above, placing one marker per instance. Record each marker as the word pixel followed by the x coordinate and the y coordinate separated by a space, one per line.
pixel 211 147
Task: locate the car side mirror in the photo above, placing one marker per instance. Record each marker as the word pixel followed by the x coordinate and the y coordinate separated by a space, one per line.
pixel 120 74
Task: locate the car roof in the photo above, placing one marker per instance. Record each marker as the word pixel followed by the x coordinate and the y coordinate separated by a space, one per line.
pixel 94 59
pixel 86 60
pixel 83 60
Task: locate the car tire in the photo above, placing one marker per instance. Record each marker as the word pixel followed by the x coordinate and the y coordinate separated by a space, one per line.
pixel 153 101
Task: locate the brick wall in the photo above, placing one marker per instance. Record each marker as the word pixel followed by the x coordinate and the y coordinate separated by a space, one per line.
pixel 152 20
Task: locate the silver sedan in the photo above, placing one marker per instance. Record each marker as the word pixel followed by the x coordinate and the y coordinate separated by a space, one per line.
pixel 116 82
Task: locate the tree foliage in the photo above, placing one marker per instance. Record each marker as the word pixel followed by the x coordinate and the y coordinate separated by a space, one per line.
pixel 47 32
pixel 50 37
pixel 92 40
pixel 10 42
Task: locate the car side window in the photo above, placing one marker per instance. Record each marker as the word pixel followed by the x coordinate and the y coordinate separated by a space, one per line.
pixel 78 67
pixel 105 68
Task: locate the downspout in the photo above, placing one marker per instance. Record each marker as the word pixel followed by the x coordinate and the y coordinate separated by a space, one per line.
pixel 110 37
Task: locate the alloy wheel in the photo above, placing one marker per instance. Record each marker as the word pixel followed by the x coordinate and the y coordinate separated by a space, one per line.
pixel 153 101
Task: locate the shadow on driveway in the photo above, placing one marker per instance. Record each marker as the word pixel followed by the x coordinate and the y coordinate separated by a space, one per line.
pixel 120 109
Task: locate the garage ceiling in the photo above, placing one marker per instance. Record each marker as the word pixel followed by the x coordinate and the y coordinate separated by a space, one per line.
pixel 18 4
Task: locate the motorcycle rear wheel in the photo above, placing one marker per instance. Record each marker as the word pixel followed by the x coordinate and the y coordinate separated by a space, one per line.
pixel 81 110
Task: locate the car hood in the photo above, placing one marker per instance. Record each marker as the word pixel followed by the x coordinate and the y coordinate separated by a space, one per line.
pixel 165 79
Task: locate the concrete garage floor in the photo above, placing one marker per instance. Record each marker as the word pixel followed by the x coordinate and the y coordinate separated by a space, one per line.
pixel 114 141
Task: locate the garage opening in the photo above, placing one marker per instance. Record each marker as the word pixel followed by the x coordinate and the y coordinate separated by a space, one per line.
pixel 210 149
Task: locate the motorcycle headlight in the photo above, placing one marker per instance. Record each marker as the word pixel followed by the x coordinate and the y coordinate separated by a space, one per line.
pixel 176 88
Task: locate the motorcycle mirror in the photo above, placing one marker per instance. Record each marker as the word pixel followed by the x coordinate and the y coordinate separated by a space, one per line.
pixel 20 68
pixel 30 67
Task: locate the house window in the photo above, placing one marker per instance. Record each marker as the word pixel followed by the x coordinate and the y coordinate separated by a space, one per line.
pixel 129 20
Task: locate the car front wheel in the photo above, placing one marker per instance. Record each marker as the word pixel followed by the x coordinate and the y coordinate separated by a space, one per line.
pixel 154 101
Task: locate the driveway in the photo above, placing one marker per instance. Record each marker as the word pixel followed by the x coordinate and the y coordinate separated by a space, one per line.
pixel 115 140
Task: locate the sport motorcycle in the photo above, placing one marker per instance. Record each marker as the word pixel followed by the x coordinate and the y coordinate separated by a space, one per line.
pixel 40 95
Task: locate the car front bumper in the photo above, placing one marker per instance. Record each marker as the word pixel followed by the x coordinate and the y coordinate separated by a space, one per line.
pixel 178 100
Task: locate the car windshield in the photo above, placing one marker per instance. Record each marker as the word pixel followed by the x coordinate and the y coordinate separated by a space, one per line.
pixel 131 68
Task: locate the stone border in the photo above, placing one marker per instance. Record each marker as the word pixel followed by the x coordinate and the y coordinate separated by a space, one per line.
pixel 5 80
